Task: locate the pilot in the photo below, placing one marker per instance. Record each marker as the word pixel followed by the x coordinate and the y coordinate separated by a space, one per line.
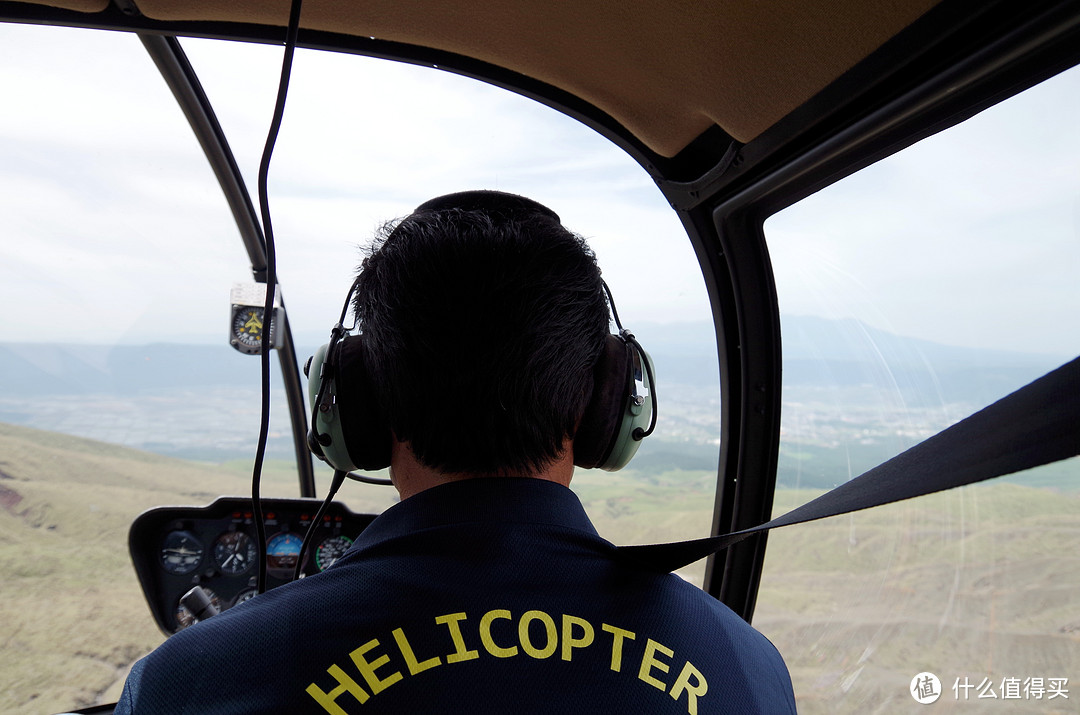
pixel 485 589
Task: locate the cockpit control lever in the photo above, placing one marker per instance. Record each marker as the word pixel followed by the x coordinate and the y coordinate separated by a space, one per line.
pixel 199 604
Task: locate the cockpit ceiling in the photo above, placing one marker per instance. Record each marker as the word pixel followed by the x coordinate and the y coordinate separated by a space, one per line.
pixel 665 70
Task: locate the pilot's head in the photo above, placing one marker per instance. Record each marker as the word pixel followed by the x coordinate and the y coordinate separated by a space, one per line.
pixel 482 318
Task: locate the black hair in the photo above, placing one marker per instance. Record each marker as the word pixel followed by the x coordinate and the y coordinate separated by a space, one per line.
pixel 482 318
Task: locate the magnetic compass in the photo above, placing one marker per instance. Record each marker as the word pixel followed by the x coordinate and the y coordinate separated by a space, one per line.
pixel 247 323
pixel 247 328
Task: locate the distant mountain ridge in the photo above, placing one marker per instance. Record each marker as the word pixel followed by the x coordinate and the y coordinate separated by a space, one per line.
pixel 828 354
pixel 843 353
pixel 817 352
pixel 28 369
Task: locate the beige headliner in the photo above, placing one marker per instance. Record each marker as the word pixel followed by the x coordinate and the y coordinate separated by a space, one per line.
pixel 666 70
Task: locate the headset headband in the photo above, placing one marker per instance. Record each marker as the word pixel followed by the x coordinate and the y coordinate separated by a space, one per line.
pixel 350 431
pixel 494 203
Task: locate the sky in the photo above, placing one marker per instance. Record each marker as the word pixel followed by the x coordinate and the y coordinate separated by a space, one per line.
pixel 970 237
pixel 112 228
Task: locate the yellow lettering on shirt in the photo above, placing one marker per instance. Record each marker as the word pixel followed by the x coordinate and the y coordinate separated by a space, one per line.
pixel 569 642
pixel 649 661
pixel 410 658
pixel 618 634
pixel 693 692
pixel 460 653
pixel 345 684
pixel 368 668
pixel 570 634
pixel 485 634
pixel 549 629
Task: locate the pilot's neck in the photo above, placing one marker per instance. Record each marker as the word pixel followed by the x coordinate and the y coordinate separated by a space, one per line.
pixel 411 477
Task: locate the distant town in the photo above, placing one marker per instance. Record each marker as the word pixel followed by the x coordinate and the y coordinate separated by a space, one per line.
pixel 844 411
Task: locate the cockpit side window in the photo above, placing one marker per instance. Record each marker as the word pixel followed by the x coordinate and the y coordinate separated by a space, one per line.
pixel 913 294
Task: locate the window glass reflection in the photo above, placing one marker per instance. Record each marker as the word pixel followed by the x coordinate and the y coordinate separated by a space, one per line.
pixel 913 294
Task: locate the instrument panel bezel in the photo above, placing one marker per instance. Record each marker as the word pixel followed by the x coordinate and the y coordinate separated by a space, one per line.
pixel 225 514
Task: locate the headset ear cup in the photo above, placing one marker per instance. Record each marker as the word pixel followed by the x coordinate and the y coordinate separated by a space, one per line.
pixel 599 427
pixel 365 425
pixel 637 416
pixel 351 432
pixel 325 435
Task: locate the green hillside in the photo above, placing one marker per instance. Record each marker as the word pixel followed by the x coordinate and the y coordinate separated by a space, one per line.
pixel 977 582
pixel 73 615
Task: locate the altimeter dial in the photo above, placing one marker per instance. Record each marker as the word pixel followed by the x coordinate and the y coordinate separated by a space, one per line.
pixel 234 552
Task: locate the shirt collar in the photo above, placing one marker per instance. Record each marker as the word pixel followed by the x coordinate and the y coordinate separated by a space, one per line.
pixel 517 500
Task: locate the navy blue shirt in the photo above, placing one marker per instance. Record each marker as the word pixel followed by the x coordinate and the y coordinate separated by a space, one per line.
pixel 480 596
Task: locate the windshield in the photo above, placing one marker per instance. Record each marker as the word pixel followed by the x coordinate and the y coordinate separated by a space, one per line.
pixel 120 391
pixel 912 294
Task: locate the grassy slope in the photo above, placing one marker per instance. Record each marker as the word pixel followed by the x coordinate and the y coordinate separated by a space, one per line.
pixel 974 582
pixel 979 582
pixel 73 613
pixel 635 507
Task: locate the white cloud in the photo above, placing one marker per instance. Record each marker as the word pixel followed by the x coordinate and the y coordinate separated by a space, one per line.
pixel 970 237
pixel 102 184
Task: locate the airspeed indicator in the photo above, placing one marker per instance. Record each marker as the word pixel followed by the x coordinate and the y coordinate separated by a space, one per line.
pixel 331 550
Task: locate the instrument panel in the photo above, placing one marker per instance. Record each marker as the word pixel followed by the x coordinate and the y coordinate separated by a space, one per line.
pixel 175 548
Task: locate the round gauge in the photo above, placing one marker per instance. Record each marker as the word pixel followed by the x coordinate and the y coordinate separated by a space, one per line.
pixel 247 327
pixel 234 552
pixel 331 550
pixel 283 550
pixel 185 618
pixel 181 552
pixel 246 595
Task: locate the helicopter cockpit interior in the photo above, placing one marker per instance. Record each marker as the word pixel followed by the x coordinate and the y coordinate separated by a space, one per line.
pixel 848 232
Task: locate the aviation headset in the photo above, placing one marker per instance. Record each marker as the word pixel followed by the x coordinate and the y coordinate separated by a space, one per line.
pixel 348 431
